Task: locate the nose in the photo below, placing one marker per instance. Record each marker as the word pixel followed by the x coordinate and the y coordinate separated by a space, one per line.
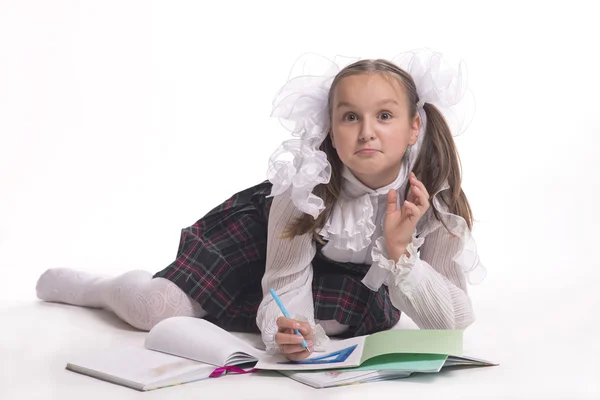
pixel 366 133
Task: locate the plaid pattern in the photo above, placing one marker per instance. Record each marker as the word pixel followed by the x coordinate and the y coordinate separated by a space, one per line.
pixel 339 294
pixel 221 261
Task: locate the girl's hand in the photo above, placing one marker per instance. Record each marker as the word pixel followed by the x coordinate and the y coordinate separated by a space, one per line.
pixel 291 343
pixel 400 225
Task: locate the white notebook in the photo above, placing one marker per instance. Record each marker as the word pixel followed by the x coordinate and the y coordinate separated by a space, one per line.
pixel 140 368
pixel 177 350
pixel 327 379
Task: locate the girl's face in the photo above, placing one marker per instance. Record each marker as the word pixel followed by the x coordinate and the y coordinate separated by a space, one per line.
pixel 371 128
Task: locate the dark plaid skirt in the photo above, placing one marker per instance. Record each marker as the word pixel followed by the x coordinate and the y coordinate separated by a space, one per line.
pixel 221 261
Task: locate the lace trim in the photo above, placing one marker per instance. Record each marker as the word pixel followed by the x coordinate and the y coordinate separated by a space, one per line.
pixel 350 225
pixel 383 269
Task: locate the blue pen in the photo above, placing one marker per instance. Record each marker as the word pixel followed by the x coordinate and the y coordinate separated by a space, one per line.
pixel 287 315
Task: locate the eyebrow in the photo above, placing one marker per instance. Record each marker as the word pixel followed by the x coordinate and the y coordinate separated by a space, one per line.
pixel 382 102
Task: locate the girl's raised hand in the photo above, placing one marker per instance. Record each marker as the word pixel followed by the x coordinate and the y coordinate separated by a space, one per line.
pixel 400 225
pixel 291 343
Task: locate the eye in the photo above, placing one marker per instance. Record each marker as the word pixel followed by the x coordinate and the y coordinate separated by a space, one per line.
pixel 348 116
pixel 387 114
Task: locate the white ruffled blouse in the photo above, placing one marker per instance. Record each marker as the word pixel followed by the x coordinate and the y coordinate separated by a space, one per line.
pixel 428 286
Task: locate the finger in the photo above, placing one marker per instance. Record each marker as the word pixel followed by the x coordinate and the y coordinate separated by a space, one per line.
pixel 415 182
pixel 288 338
pixel 392 201
pixel 287 332
pixel 288 323
pixel 419 199
pixel 413 195
pixel 413 210
pixel 285 323
pixel 295 348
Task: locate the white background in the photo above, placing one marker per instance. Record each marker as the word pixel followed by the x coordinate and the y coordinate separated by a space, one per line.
pixel 122 122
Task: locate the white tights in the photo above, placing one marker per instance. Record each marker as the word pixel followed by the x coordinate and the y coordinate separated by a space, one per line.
pixel 135 296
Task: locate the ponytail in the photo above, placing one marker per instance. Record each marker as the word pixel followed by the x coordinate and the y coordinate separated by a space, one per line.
pixel 438 161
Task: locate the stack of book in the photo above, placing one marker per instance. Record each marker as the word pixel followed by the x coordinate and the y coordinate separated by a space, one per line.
pixel 180 350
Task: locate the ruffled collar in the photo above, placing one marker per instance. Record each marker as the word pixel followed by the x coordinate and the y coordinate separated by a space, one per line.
pixel 350 225
pixel 354 188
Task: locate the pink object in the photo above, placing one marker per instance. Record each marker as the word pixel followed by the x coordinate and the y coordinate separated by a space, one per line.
pixel 224 370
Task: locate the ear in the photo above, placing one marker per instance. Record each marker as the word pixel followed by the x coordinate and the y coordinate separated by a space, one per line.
pixel 331 137
pixel 415 127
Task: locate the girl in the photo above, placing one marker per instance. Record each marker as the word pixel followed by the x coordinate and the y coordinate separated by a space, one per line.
pixel 368 221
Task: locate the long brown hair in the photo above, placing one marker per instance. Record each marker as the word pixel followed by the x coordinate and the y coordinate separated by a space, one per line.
pixel 437 162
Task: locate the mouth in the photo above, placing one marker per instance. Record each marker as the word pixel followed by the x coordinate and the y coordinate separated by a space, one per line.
pixel 367 151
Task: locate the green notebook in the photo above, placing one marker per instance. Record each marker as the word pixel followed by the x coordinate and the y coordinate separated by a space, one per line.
pixel 379 350
pixel 409 362
pixel 424 363
pixel 385 367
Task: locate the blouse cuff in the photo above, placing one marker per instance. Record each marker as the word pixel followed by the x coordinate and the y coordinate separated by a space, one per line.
pixel 267 333
pixel 384 270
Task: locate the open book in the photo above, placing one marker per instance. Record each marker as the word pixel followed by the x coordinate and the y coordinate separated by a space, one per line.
pixel 356 351
pixel 177 350
pixel 392 366
pixel 184 349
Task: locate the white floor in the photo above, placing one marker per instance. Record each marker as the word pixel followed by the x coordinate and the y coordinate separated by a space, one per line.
pixel 543 350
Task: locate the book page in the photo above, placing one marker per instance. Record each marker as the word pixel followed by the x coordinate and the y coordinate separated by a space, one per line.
pixel 425 363
pixel 464 360
pixel 137 365
pixel 422 341
pixel 325 379
pixel 199 340
pixel 339 354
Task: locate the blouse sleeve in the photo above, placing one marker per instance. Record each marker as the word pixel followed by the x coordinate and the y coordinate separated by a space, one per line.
pixel 430 288
pixel 288 271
